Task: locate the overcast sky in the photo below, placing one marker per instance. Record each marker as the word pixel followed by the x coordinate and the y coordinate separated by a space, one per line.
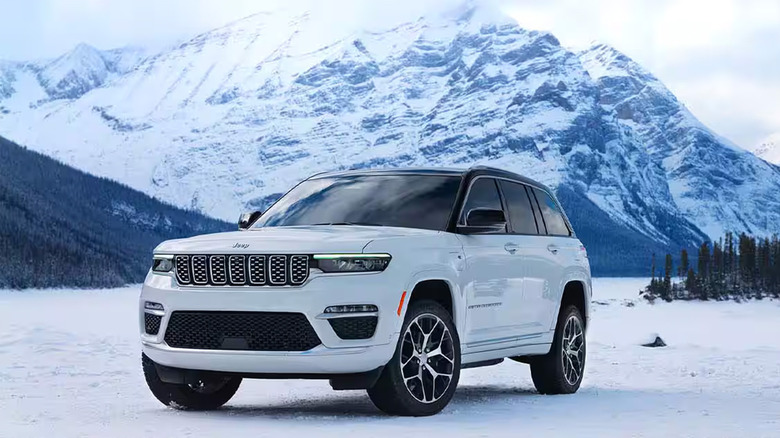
pixel 721 57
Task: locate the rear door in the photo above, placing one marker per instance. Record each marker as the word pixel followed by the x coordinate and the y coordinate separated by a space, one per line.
pixel 524 229
pixel 491 279
pixel 550 256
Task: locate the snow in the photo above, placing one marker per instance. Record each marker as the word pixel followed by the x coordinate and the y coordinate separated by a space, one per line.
pixel 769 149
pixel 70 363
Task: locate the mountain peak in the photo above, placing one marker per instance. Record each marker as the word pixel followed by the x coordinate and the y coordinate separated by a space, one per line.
pixel 603 60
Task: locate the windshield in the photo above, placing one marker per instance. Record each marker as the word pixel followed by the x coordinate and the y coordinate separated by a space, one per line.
pixel 410 201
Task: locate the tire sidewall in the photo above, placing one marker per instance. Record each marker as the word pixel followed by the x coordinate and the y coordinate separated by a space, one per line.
pixel 414 406
pixel 558 349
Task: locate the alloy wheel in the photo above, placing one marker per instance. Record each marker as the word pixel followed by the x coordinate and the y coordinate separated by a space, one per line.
pixel 427 358
pixel 572 344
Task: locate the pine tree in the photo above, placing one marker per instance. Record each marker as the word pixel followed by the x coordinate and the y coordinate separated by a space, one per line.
pixel 684 264
pixel 666 291
pixel 703 277
pixel 718 267
pixel 690 283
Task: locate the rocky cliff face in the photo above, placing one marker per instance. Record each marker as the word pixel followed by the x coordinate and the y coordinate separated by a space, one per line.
pixel 232 118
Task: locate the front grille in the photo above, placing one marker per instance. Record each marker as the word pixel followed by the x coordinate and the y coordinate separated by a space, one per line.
pixel 200 273
pixel 255 331
pixel 182 263
pixel 152 323
pixel 217 267
pixel 242 270
pixel 257 269
pixel 299 269
pixel 237 269
pixel 277 269
pixel 358 327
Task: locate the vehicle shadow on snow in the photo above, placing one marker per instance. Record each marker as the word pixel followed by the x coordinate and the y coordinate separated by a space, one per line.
pixel 357 404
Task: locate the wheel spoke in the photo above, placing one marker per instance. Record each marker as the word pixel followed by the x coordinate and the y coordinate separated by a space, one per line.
pixel 430 340
pixel 572 343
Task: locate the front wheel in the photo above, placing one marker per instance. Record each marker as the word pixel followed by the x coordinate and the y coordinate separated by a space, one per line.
pixel 560 371
pixel 207 394
pixel 422 376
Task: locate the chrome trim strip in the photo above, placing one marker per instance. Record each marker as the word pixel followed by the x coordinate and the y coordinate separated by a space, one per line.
pixel 345 315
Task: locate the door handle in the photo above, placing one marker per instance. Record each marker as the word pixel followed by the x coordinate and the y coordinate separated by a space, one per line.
pixel 552 248
pixel 511 248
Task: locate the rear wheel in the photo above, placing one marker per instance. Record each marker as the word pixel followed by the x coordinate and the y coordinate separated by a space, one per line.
pixel 422 376
pixel 560 371
pixel 207 394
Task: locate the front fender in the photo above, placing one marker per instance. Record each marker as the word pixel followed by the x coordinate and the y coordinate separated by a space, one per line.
pixel 449 276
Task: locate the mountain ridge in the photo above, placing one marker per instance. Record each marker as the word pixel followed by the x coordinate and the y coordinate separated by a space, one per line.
pixel 233 117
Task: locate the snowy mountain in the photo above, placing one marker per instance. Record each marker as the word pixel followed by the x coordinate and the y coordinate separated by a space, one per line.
pixel 233 117
pixel 769 149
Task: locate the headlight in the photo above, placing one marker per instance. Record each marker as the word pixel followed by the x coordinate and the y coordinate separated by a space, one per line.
pixel 162 263
pixel 352 262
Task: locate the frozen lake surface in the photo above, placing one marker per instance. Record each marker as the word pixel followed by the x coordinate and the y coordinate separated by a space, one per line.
pixel 70 366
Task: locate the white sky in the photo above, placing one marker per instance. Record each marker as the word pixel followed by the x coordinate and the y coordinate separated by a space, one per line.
pixel 721 57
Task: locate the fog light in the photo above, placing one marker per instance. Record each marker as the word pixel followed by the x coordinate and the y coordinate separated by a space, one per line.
pixel 359 308
pixel 153 306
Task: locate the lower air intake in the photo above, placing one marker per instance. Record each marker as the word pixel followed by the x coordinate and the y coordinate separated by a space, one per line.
pixel 254 331
pixel 358 327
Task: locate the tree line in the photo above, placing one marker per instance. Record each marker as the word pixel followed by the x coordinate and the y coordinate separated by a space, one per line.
pixel 734 267
pixel 60 227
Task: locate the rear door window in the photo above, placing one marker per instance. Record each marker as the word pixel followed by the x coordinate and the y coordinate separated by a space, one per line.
pixel 521 213
pixel 553 217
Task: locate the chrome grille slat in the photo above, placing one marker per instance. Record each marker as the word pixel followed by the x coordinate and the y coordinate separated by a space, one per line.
pixel 277 269
pixel 299 269
pixel 237 269
pixel 217 269
pixel 200 273
pixel 182 264
pixel 257 269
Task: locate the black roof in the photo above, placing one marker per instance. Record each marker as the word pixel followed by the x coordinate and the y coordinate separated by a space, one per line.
pixel 469 173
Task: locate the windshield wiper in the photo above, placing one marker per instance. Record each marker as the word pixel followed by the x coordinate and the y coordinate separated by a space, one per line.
pixel 367 224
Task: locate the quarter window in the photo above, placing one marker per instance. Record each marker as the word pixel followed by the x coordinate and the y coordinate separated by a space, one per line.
pixel 553 217
pixel 521 214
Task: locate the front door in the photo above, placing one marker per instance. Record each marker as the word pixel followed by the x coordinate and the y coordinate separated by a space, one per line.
pixel 492 280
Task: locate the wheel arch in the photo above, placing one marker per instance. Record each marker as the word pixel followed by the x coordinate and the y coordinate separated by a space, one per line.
pixel 436 286
pixel 576 292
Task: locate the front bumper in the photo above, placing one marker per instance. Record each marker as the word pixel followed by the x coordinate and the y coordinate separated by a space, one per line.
pixel 333 356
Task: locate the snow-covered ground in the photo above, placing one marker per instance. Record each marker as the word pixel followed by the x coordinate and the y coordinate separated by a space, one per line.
pixel 70 366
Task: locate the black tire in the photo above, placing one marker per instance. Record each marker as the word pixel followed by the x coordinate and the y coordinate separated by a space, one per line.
pixel 390 393
pixel 548 371
pixel 186 397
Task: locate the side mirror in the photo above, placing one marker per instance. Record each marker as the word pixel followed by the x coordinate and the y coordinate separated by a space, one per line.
pixel 247 219
pixel 484 220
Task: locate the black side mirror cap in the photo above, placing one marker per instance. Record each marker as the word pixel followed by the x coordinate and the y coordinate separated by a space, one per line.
pixel 247 219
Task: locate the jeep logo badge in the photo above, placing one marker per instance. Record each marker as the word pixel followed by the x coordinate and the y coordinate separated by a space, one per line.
pixel 241 245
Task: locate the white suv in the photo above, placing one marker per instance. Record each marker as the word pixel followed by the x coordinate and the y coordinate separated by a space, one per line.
pixel 386 280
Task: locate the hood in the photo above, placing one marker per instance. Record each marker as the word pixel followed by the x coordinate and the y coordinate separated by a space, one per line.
pixel 287 240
